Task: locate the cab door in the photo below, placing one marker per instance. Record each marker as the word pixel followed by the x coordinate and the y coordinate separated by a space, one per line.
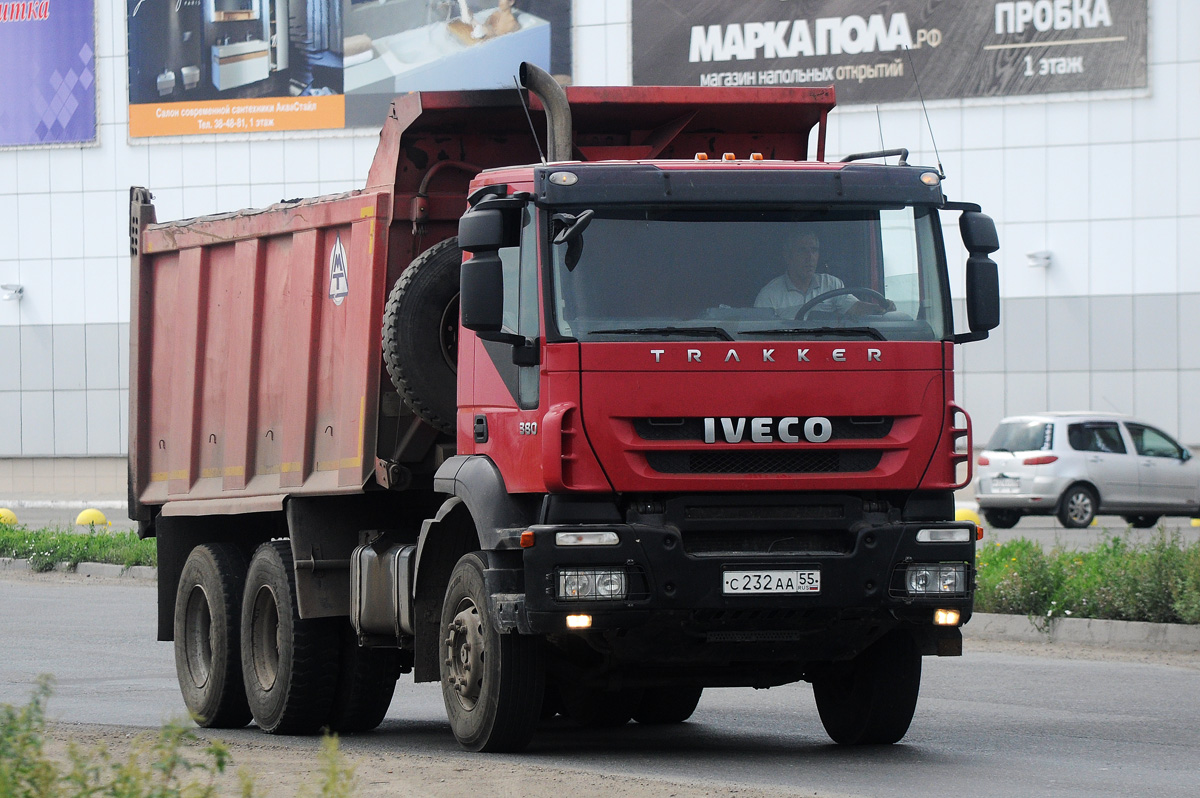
pixel 506 417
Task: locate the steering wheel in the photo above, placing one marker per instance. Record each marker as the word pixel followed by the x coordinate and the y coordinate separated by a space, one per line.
pixel 807 307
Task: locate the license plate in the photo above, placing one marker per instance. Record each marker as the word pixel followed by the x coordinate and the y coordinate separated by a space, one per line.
pixel 1005 485
pixel 803 581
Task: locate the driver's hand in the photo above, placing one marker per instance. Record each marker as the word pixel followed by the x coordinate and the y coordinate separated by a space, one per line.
pixel 865 308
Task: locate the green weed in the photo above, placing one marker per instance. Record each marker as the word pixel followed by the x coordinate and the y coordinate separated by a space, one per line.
pixel 46 547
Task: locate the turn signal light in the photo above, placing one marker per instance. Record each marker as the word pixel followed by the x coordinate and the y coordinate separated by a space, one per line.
pixel 1045 459
pixel 527 539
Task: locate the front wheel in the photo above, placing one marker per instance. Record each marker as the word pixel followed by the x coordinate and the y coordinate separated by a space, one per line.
pixel 492 683
pixel 665 705
pixel 1078 507
pixel 1141 521
pixel 872 698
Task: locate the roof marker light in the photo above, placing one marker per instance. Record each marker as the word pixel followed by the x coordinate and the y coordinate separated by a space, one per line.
pixel 701 156
pixel 564 178
pixel 729 156
pixel 931 178
pixel 756 156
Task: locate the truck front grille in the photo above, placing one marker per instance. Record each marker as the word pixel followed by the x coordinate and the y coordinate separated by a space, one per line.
pixel 845 428
pixel 756 543
pixel 763 462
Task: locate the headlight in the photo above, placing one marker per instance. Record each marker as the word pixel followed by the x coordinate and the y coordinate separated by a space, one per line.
pixel 936 579
pixel 591 584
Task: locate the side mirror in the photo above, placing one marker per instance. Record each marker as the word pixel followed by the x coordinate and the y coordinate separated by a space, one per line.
pixel 983 276
pixel 482 229
pixel 481 297
pixel 978 233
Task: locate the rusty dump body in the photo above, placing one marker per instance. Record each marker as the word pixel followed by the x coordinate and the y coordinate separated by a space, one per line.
pixel 256 359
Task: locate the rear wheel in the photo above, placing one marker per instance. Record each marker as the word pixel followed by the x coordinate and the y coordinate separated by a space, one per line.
pixel 1002 519
pixel 366 684
pixel 208 605
pixel 289 665
pixel 1141 521
pixel 667 705
pixel 1078 507
pixel 492 683
pixel 872 698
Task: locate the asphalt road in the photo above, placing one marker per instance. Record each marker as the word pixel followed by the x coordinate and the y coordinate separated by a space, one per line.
pixel 1000 721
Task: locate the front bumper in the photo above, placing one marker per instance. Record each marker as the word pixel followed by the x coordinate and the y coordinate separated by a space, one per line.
pixel 676 599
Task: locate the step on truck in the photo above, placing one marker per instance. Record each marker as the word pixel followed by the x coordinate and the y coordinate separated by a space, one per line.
pixel 577 427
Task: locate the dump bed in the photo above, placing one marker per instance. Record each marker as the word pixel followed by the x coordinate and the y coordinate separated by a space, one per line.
pixel 256 359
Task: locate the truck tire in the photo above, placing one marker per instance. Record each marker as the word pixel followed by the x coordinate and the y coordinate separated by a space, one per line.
pixel 599 709
pixel 366 684
pixel 289 665
pixel 872 698
pixel 667 705
pixel 1078 506
pixel 492 683
pixel 420 334
pixel 208 660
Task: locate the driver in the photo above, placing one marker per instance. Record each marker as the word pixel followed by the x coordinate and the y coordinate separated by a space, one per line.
pixel 802 282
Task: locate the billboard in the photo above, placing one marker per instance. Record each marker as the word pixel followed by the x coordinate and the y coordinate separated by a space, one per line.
pixel 47 72
pixel 243 66
pixel 869 50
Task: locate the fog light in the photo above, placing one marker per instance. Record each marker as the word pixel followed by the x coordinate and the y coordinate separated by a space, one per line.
pixel 923 580
pixel 946 617
pixel 591 584
pixel 581 621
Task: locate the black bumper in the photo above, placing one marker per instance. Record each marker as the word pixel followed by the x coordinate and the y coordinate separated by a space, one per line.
pixel 673 592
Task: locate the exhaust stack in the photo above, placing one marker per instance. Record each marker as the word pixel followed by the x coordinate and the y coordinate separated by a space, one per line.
pixel 559 133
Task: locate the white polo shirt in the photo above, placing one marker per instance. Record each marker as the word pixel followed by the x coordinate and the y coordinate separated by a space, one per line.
pixel 781 294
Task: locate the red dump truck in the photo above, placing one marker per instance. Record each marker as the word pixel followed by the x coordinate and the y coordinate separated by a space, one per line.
pixel 667 407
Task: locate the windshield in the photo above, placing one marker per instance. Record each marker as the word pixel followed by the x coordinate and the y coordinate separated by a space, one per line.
pixel 648 273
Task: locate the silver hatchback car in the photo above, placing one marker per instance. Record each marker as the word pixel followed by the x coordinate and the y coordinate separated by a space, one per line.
pixel 1076 465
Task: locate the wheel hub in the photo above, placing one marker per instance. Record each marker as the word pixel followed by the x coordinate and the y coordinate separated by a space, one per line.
pixel 465 654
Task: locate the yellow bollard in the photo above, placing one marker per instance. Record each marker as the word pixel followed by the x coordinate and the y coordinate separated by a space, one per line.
pixel 7 516
pixel 91 516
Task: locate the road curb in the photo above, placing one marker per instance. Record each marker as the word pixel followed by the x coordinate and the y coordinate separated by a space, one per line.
pixel 142 572
pixel 1129 635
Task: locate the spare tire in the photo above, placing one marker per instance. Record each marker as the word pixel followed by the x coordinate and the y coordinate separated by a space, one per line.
pixel 420 334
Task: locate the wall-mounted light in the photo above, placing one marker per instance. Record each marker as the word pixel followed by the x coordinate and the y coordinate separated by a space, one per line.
pixel 12 291
pixel 1040 259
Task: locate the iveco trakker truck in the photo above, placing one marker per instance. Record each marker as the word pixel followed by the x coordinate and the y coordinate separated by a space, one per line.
pixel 667 407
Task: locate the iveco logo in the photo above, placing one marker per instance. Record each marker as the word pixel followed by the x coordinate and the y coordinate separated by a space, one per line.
pixel 815 429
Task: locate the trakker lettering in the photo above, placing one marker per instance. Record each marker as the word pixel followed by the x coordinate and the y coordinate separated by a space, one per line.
pixel 769 355
pixel 816 429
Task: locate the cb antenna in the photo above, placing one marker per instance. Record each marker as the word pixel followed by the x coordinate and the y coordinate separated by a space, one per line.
pixel 879 121
pixel 532 129
pixel 917 80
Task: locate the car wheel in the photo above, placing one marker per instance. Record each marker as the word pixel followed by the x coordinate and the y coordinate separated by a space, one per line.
pixel 1141 521
pixel 1078 507
pixel 1002 519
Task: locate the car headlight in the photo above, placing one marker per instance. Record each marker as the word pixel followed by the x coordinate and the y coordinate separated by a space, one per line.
pixel 936 579
pixel 591 584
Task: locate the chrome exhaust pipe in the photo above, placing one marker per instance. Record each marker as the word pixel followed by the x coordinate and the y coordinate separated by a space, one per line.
pixel 559 132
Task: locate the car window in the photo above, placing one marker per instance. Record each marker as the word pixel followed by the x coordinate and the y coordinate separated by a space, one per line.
pixel 1022 436
pixel 1096 437
pixel 1149 442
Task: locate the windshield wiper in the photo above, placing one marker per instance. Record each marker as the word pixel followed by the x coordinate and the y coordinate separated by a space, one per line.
pixel 713 332
pixel 868 332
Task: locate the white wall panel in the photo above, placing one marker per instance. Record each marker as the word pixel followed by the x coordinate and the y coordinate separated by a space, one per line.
pixel 1189 244
pixel 1025 124
pixel 1025 185
pixel 37 306
pixel 1154 181
pixel 1111 194
pixel 1111 257
pixel 1017 277
pixel 166 160
pixel 1068 181
pixel 69 294
pixel 66 224
pixel 66 170
pixel 233 164
pixel 1155 117
pixel 10 311
pixel 1156 399
pixel 33 172
pixel 100 287
pixel 1068 390
pixel 1110 121
pixel 1066 123
pixel 1070 249
pixel 33 231
pixel 1155 256
pixel 301 161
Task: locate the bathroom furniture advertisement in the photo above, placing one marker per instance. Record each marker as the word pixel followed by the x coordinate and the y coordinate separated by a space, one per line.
pixel 246 66
pixel 47 73
pixel 869 49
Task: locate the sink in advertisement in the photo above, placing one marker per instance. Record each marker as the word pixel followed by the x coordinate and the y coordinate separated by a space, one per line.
pixel 239 48
pixel 430 58
pixel 239 63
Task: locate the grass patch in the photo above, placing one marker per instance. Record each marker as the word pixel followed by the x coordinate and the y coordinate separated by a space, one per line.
pixel 176 763
pixel 45 547
pixel 1157 581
